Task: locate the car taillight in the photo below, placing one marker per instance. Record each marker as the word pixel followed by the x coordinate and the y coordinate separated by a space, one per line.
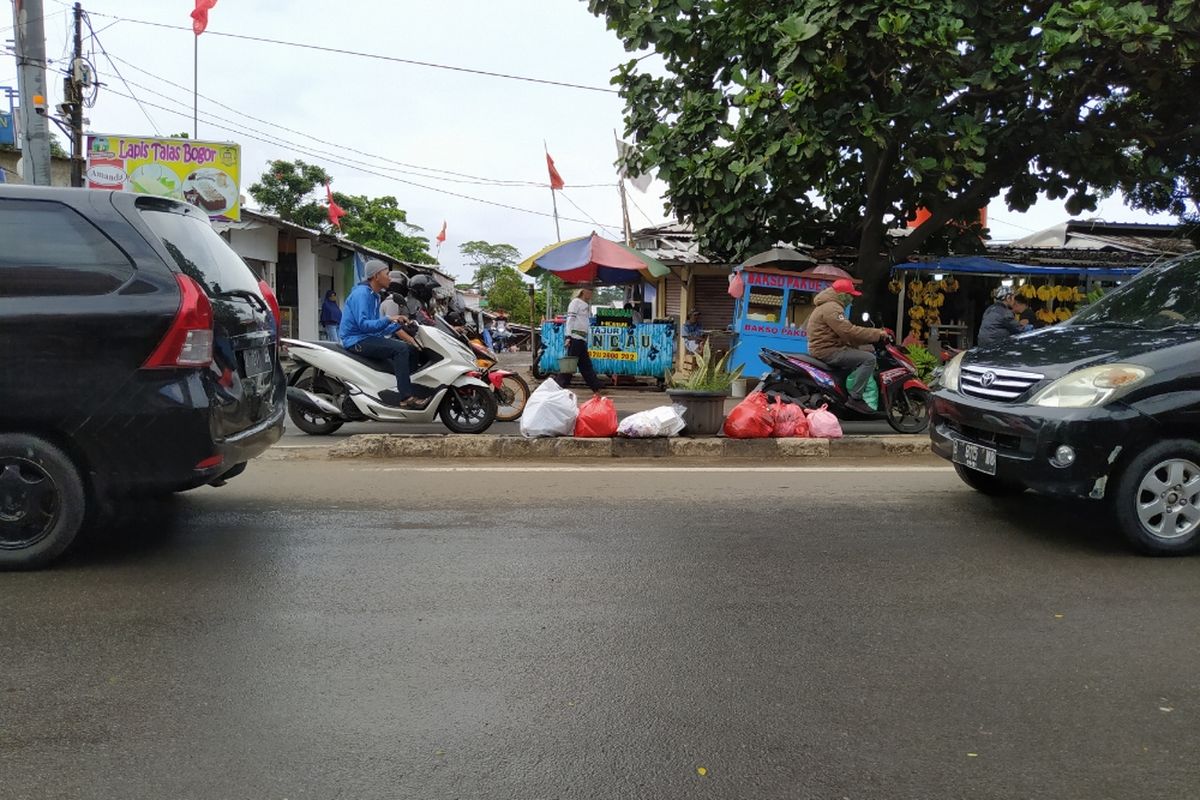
pixel 272 301
pixel 189 341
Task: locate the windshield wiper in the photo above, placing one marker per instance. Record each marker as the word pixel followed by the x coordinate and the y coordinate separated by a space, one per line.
pixel 245 294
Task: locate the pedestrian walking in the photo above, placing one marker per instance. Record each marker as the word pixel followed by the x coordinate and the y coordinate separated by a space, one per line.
pixel 579 320
pixel 331 317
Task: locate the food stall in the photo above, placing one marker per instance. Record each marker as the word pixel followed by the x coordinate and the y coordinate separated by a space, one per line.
pixel 772 312
pixel 617 345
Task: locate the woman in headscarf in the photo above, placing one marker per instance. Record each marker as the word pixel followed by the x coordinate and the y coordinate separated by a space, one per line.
pixel 331 316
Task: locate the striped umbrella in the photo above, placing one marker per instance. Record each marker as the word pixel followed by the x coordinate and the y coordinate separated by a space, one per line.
pixel 595 261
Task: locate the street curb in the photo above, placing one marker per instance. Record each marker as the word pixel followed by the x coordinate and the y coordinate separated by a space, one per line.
pixel 516 448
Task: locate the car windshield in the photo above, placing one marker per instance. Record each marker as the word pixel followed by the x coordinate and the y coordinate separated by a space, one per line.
pixel 1160 298
pixel 202 255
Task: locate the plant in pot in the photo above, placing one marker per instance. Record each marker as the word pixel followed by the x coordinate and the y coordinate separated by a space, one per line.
pixel 702 393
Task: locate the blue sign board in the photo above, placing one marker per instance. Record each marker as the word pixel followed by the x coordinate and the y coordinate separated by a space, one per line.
pixel 647 348
pixel 8 129
pixel 772 313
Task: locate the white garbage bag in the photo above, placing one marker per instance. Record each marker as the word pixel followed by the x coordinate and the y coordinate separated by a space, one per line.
pixel 550 411
pixel 661 421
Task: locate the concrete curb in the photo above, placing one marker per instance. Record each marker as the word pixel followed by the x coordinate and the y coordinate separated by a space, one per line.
pixel 512 448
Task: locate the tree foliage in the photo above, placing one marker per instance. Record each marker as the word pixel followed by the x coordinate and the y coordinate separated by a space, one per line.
pixel 294 191
pixel 509 292
pixel 488 261
pixel 828 121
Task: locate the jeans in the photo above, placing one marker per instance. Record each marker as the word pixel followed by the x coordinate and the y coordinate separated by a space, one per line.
pixel 399 353
pixel 331 334
pixel 861 365
pixel 578 349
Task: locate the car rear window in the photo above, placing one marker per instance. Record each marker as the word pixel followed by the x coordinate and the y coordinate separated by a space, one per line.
pixel 49 248
pixel 199 252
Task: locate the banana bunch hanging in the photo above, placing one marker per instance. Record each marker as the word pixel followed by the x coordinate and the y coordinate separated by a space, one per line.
pixel 1062 314
pixel 895 285
pixel 1045 293
pixel 1046 316
pixel 916 313
pixel 1028 291
pixel 950 285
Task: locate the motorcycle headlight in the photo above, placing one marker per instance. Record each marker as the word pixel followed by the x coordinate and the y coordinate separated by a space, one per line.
pixel 952 371
pixel 1091 387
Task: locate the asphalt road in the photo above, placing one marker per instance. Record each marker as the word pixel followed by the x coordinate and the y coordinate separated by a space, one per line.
pixel 437 630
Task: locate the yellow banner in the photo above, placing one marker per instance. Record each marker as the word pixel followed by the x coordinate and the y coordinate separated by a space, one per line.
pixel 613 355
pixel 205 174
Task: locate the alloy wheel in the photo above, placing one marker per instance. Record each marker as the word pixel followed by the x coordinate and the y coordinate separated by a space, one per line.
pixel 1168 499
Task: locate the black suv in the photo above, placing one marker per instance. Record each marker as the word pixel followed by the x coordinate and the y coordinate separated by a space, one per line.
pixel 1105 406
pixel 139 357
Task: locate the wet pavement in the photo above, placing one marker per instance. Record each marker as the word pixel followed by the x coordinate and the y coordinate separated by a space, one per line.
pixel 450 630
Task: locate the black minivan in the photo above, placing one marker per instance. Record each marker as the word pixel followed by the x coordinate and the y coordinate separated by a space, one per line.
pixel 138 356
pixel 1104 406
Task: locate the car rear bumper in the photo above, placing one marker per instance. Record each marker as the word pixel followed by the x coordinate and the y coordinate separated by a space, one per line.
pixel 1026 439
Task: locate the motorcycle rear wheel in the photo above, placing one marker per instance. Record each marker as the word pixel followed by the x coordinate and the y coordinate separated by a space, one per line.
pixel 910 412
pixel 468 409
pixel 312 422
pixel 511 397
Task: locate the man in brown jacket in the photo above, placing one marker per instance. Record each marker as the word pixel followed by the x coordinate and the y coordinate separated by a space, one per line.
pixel 835 339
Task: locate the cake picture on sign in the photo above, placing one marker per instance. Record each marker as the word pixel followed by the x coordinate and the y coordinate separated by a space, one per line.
pixel 210 189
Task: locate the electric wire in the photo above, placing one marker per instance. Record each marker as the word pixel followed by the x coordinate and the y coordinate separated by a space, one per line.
pixel 376 56
pixel 365 170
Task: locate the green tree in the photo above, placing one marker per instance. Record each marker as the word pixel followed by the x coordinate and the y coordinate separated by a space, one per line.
pixel 829 122
pixel 288 188
pixel 380 223
pixel 294 191
pixel 510 292
pixel 488 261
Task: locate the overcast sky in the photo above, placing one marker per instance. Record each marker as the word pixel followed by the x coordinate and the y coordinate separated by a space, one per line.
pixel 436 119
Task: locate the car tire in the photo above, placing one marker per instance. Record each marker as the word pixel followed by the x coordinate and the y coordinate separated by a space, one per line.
pixel 42 501
pixel 1157 499
pixel 988 484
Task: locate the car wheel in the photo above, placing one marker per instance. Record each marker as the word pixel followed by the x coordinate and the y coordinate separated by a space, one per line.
pixel 42 502
pixel 988 484
pixel 1158 499
pixel 312 422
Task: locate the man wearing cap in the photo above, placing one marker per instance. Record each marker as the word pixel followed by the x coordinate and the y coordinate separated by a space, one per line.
pixel 836 340
pixel 365 332
pixel 999 319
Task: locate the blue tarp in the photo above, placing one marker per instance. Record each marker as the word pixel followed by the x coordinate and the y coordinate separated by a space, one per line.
pixel 966 265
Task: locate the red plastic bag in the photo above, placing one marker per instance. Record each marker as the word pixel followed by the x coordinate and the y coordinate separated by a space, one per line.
pixel 789 420
pixel 737 286
pixel 822 424
pixel 750 419
pixel 597 418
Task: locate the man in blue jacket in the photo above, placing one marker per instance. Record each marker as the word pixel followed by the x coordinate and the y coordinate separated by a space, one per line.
pixel 367 333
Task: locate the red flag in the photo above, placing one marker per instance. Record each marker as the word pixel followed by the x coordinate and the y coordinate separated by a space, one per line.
pixel 200 15
pixel 441 237
pixel 336 212
pixel 556 181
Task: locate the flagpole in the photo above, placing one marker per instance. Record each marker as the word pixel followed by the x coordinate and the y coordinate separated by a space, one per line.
pixel 196 87
pixel 557 232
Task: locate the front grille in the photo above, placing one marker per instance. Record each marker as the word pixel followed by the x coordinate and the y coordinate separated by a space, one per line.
pixel 1000 441
pixel 990 383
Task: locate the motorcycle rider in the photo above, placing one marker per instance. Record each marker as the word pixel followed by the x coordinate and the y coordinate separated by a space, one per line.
pixel 1000 320
pixel 367 333
pixel 836 341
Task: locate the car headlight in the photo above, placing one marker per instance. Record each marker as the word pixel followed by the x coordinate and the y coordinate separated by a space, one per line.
pixel 1091 387
pixel 952 371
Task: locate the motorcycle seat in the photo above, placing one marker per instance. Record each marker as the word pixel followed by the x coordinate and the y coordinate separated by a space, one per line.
pixel 373 363
pixel 816 362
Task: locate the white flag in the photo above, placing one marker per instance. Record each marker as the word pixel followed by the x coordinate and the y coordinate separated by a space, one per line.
pixel 639 182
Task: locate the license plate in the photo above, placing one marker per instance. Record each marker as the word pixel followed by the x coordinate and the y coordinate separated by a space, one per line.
pixel 256 360
pixel 974 456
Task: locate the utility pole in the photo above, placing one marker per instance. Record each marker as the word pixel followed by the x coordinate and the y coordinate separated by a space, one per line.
pixel 31 83
pixel 74 95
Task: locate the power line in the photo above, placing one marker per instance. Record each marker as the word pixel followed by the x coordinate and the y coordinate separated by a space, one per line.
pixel 639 208
pixel 117 69
pixel 342 51
pixel 481 180
pixel 589 216
pixel 43 17
pixel 364 170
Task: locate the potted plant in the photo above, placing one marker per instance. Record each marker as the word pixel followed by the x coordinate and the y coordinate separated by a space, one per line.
pixel 702 393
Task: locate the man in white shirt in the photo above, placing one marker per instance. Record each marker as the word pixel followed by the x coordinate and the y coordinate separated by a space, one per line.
pixel 579 318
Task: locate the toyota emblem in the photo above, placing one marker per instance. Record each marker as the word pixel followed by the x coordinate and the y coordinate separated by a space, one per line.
pixel 987 379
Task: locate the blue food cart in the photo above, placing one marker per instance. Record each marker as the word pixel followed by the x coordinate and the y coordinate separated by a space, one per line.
pixel 772 312
pixel 617 345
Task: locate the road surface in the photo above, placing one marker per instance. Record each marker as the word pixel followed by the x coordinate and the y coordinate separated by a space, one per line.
pixel 452 630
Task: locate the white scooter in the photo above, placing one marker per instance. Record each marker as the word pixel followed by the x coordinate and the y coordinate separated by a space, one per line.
pixel 331 386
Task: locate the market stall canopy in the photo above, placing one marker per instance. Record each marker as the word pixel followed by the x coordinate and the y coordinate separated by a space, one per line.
pixel 593 260
pixel 778 255
pixel 978 265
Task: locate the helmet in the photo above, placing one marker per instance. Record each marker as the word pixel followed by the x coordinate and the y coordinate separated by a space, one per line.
pixel 399 283
pixel 1003 293
pixel 421 287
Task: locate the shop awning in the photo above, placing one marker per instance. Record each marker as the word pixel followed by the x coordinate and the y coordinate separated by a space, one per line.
pixel 978 265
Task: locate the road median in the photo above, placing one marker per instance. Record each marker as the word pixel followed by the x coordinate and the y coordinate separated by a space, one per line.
pixel 398 446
